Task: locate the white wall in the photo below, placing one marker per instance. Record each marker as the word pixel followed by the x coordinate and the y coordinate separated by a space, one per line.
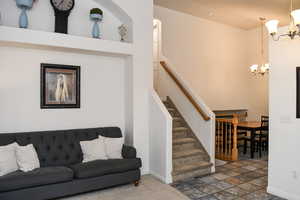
pixel 102 91
pixel 132 75
pixel 160 134
pixel 141 13
pixel 214 59
pixel 284 162
pixel 156 51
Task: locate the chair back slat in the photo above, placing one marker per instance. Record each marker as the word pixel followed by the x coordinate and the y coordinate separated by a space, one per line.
pixel 264 123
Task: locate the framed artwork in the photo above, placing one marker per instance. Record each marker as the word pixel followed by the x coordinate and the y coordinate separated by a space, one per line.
pixel 60 86
pixel 298 92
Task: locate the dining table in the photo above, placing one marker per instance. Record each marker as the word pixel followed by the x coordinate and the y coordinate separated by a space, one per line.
pixel 252 127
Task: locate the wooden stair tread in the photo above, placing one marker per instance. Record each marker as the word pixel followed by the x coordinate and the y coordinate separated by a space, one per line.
pixel 183 140
pixel 186 153
pixel 191 167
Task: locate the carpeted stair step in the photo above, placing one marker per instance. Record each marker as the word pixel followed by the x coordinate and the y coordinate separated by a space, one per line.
pixel 180 132
pixel 171 109
pixel 167 104
pixel 173 112
pixel 189 157
pixel 191 167
pixel 182 154
pixel 178 122
pixel 178 162
pixel 192 174
pixel 182 144
pixel 176 119
pixel 180 141
pixel 180 129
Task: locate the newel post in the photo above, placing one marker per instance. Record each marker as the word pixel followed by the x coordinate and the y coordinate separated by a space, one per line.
pixel 235 153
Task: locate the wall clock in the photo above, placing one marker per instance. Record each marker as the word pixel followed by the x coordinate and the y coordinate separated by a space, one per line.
pixel 62 9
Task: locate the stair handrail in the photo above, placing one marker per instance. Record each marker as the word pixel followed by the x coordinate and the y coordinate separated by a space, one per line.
pixel 185 91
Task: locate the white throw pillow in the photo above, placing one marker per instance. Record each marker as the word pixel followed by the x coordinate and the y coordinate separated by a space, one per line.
pixel 93 150
pixel 8 161
pixel 113 147
pixel 27 158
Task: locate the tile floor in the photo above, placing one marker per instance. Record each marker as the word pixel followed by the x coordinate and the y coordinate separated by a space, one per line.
pixel 241 180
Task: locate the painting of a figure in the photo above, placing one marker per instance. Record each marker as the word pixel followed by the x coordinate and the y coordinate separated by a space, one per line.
pixel 60 86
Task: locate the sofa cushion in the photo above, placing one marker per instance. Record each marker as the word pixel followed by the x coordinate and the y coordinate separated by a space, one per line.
pixel 37 177
pixel 27 158
pixel 93 150
pixel 103 167
pixel 8 160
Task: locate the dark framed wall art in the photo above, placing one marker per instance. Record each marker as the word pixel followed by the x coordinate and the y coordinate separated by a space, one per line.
pixel 298 92
pixel 60 86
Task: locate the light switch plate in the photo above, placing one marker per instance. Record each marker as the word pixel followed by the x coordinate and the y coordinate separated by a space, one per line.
pixel 285 119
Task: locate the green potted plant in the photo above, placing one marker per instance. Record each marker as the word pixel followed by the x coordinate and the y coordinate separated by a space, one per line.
pixel 96 15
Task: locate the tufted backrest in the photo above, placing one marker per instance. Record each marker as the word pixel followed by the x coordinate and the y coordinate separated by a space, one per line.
pixel 59 148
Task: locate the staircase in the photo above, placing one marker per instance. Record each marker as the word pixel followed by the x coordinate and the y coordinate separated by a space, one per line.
pixel 189 157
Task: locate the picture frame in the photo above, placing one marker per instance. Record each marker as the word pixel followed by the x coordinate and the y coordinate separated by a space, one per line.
pixel 60 86
pixel 298 92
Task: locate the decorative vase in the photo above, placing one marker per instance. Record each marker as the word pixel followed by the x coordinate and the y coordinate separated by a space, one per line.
pixel 96 30
pixel 24 5
pixel 123 32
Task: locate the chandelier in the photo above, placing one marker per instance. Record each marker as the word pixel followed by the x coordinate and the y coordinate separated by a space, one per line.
pixel 294 28
pixel 264 67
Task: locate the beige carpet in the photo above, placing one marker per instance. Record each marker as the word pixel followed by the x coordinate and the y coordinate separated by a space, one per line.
pixel 149 189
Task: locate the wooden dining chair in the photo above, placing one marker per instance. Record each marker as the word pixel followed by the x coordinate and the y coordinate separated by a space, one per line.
pixel 261 138
pixel 264 135
pixel 247 139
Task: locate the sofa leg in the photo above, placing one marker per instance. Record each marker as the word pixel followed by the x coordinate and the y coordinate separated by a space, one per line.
pixel 136 183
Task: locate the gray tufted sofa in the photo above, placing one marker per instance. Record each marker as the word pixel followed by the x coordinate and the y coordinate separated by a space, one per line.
pixel 62 172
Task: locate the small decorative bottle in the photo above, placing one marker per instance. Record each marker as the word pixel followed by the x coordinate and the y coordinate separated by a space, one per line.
pixel 96 15
pixel 123 32
pixel 24 5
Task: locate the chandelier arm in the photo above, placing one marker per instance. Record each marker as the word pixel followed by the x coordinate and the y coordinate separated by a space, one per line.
pixel 279 36
pixel 276 38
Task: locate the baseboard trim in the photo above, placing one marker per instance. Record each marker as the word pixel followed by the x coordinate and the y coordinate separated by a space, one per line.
pixel 161 178
pixel 282 194
pixel 213 169
pixel 144 171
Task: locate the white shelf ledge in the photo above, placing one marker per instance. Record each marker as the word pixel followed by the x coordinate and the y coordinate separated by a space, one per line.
pixel 12 35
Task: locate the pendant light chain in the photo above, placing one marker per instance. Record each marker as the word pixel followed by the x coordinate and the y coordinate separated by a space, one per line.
pixel 291 9
pixel 262 42
pixel 262 67
pixel 262 46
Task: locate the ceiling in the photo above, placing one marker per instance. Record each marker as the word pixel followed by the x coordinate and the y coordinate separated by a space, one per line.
pixel 239 13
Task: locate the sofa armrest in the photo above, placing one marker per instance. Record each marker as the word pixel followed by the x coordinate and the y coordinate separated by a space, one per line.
pixel 128 152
